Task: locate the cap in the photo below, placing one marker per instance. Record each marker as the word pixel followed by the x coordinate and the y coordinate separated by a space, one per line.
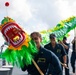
pixel 52 36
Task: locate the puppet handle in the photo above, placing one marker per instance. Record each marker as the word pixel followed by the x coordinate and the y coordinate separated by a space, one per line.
pixel 41 73
pixel 63 65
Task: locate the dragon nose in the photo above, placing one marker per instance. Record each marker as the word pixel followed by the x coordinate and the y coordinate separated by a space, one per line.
pixel 16 38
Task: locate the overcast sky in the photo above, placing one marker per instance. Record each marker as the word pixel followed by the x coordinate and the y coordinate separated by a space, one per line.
pixel 38 15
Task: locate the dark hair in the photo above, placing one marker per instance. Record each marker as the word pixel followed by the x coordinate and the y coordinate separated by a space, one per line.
pixel 37 33
pixel 52 36
pixel 64 38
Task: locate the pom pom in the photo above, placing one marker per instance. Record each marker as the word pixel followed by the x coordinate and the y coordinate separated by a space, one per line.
pixel 7 4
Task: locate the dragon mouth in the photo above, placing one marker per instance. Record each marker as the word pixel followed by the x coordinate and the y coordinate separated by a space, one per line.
pixel 12 34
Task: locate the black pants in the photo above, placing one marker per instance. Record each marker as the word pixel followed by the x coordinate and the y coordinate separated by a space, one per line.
pixel 67 70
pixel 73 58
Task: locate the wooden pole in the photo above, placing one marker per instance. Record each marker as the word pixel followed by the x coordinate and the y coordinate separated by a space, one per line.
pixel 41 73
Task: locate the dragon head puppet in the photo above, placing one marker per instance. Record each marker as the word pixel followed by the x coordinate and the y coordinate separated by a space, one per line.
pixel 20 45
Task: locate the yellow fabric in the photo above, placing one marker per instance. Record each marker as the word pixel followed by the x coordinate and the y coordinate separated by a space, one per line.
pixel 24 43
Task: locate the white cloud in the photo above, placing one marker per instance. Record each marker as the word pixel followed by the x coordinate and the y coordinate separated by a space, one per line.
pixel 66 8
pixel 20 10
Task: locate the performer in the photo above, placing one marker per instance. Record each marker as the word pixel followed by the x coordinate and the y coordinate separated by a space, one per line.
pixel 73 56
pixel 66 46
pixel 56 48
pixel 43 59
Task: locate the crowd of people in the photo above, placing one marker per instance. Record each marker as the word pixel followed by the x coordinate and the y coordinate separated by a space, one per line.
pixel 51 58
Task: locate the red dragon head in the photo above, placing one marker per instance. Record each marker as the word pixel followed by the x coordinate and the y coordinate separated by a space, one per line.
pixel 12 32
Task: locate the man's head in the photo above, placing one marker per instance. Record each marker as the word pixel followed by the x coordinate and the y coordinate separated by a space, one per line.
pixel 52 38
pixel 64 39
pixel 36 36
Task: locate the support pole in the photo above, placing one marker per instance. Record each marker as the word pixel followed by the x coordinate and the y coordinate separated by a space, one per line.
pixel 41 73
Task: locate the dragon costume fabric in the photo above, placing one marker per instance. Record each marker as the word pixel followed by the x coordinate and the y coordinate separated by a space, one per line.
pixel 60 30
pixel 20 45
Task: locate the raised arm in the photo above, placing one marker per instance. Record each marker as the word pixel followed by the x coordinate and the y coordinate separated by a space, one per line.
pixel 65 46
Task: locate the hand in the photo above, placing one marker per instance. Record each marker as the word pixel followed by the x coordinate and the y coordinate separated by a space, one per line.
pixel 65 65
pixel 60 42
